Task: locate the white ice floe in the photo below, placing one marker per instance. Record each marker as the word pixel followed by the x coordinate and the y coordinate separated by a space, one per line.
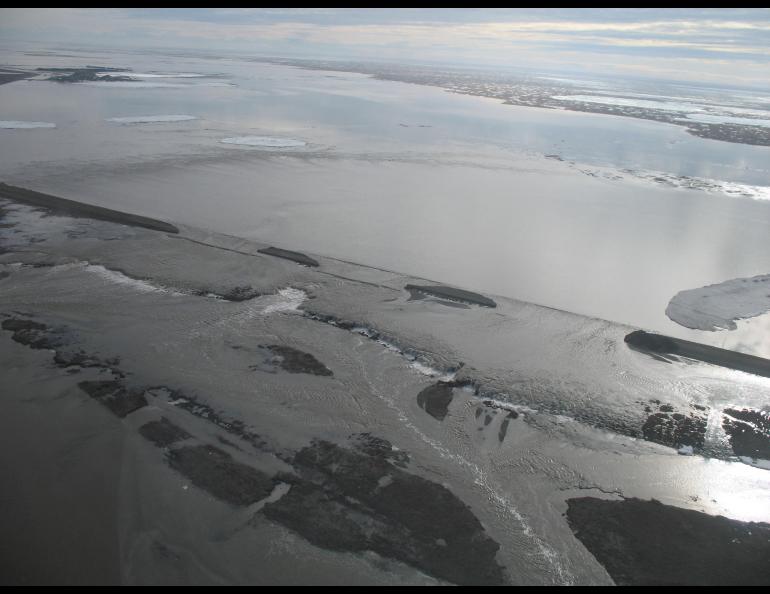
pixel 717 307
pixel 710 118
pixel 706 114
pixel 288 299
pixel 698 183
pixel 746 111
pixel 19 125
pixel 151 119
pixel 624 102
pixel 264 141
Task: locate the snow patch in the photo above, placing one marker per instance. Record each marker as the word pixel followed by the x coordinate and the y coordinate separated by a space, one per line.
pixel 717 307
pixel 641 103
pixel 710 118
pixel 285 300
pixel 704 184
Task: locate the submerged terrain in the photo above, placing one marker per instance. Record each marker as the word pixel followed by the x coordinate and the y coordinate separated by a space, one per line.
pixel 247 341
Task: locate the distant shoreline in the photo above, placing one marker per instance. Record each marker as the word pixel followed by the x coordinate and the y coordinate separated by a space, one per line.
pixel 468 85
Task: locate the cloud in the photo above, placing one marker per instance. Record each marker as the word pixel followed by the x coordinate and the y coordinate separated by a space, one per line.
pixel 653 37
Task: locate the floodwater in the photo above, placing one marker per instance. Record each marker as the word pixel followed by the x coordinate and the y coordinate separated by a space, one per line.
pixel 570 210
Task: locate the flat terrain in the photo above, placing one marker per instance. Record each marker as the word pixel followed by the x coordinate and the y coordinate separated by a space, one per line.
pixel 322 425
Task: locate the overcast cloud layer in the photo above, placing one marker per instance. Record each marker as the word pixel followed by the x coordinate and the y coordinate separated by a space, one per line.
pixel 728 46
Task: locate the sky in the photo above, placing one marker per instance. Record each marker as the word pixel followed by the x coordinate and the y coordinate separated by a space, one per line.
pixel 724 46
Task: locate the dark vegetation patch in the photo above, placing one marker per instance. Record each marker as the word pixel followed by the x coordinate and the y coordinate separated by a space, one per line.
pixel 658 345
pixel 8 76
pixel 201 410
pixel 674 429
pixel 435 399
pixel 112 394
pixel 646 543
pixel 450 293
pixel 82 359
pixel 357 500
pixel 504 425
pixel 76 209
pixel 293 360
pixel 215 471
pixel 33 334
pixel 37 335
pixel 377 447
pixel 749 432
pixel 163 433
pixel 297 257
pixel 240 293
pixel 89 73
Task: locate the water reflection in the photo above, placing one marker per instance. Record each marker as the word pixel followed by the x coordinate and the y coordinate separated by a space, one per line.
pixel 439 185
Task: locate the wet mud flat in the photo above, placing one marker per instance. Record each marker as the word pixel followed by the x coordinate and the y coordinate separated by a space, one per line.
pixel 354 498
pixel 646 543
pixel 332 429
